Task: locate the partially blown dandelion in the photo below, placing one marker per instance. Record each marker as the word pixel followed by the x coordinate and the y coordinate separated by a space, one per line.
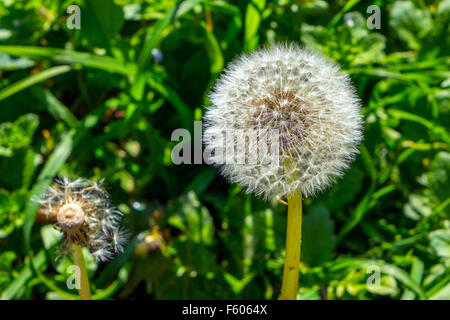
pixel 316 116
pixel 300 94
pixel 86 217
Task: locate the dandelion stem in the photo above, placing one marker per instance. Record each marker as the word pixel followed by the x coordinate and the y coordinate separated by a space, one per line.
pixel 289 286
pixel 77 255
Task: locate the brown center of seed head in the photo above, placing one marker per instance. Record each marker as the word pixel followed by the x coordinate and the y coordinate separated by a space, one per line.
pixel 70 217
pixel 285 111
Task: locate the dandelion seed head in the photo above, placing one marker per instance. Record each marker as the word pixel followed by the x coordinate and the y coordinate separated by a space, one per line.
pixel 297 92
pixel 85 215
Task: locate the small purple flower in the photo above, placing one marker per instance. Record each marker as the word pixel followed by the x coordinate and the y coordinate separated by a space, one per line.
pixel 157 55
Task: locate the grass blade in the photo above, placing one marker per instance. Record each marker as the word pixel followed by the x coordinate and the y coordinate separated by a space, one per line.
pixel 33 79
pixel 71 57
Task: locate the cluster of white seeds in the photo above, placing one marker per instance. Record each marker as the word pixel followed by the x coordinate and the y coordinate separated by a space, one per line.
pixel 301 95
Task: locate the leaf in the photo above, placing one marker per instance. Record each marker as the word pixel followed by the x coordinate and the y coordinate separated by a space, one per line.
pixel 417 207
pixel 438 130
pixel 410 23
pixel 369 48
pixel 214 51
pixel 261 226
pixel 71 57
pixel 33 79
pixel 25 274
pixel 154 35
pixel 201 181
pixel 29 168
pixel 193 219
pixel 443 294
pixel 18 134
pixel 11 211
pixel 101 21
pixel 318 237
pixel 384 267
pixel 6 224
pixel 387 286
pixel 7 259
pixel 439 177
pixel 417 272
pixel 310 294
pixel 337 18
pixel 172 96
pixel 345 191
pixel 7 63
pixel 252 21
pixel 5 34
pixel 358 214
pixel 59 111
pixel 237 285
pixel 152 38
pixel 51 168
pixel 220 6
pixel 440 242
pixel 50 236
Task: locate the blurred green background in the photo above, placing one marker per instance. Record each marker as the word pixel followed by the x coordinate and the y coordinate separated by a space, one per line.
pixel 102 102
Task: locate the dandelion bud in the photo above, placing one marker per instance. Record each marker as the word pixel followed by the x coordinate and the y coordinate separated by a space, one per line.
pixel 299 97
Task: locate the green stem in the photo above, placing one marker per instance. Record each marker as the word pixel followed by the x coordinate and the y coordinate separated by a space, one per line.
pixel 77 255
pixel 289 287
